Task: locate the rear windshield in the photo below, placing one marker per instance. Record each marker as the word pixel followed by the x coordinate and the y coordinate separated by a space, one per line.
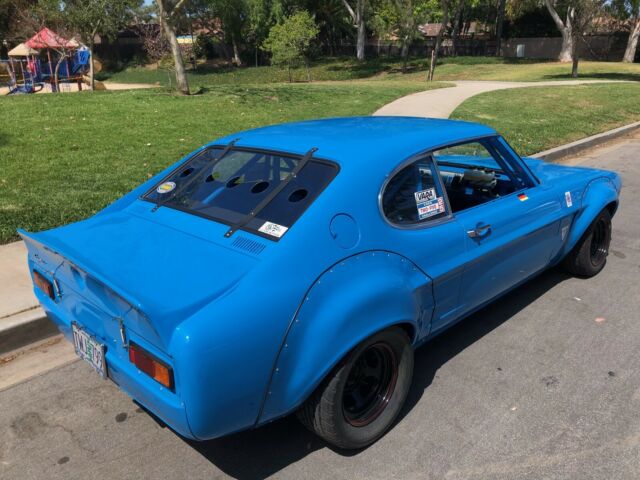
pixel 228 189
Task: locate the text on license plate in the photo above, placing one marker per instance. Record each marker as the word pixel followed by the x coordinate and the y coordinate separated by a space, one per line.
pixel 88 349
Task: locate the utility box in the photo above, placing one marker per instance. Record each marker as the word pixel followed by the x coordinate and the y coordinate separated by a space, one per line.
pixel 520 50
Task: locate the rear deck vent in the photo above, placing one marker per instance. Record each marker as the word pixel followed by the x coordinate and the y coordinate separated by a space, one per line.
pixel 248 245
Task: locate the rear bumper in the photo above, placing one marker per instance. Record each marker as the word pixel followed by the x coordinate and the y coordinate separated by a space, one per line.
pixel 161 402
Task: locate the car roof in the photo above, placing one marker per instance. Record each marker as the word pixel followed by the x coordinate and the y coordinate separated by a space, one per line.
pixel 353 140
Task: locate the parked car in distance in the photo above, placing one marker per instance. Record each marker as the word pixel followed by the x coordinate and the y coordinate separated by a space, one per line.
pixel 296 267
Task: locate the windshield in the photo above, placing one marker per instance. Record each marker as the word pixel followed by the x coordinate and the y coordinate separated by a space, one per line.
pixel 227 190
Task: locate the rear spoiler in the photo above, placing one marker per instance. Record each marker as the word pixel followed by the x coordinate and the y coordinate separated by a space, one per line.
pixel 34 244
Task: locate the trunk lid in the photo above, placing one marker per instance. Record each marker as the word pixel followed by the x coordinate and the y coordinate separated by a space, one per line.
pixel 140 271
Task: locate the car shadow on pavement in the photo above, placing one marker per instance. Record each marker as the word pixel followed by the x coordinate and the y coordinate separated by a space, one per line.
pixel 262 452
pixel 435 353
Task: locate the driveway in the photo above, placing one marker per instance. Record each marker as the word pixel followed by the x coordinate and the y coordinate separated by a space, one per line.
pixel 441 102
pixel 545 383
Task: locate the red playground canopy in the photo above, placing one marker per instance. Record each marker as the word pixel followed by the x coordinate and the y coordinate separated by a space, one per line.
pixel 46 38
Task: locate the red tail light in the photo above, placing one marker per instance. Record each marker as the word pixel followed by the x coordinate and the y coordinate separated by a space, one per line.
pixel 147 363
pixel 43 284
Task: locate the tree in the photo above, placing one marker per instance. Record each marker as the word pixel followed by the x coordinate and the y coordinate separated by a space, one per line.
pixel 457 21
pixel 399 18
pixel 257 24
pixel 443 26
pixel 499 26
pixel 630 10
pixel 169 14
pixel 232 15
pixel 565 27
pixel 98 17
pixel 579 14
pixel 357 15
pixel 584 11
pixel 289 42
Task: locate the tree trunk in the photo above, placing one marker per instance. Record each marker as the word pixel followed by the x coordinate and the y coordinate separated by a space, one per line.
pixel 57 71
pixel 92 83
pixel 362 31
pixel 632 43
pixel 499 25
pixel 236 52
pixel 457 20
pixel 575 40
pixel 565 29
pixel 443 27
pixel 170 33
pixel 567 47
pixel 404 52
pixel 181 74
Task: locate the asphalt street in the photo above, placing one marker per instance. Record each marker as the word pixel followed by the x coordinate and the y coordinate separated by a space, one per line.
pixel 545 383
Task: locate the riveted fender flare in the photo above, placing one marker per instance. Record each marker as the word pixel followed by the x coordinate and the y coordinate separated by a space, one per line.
pixel 598 193
pixel 352 300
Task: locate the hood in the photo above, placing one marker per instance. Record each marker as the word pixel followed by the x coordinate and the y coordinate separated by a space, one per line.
pixel 549 172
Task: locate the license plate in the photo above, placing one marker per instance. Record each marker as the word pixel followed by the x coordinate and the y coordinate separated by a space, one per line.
pixel 89 350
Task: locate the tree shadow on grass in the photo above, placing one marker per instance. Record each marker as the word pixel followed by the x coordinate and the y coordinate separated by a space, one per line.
pixel 595 76
pixel 260 453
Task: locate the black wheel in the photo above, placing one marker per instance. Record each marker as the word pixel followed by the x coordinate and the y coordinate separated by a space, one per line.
pixel 589 256
pixel 357 403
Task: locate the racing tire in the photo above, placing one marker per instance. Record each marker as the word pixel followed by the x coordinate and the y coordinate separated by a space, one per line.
pixel 360 399
pixel 589 256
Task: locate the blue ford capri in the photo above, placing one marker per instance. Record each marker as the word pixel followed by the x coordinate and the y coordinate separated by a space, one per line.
pixel 295 268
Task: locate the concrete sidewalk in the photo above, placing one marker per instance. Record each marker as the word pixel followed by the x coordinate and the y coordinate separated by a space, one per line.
pixel 16 291
pixel 441 102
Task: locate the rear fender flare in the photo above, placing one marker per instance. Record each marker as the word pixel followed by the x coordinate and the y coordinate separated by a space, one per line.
pixel 349 302
pixel 599 193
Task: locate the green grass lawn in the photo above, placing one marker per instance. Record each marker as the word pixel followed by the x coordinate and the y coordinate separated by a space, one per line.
pixel 538 118
pixel 526 70
pixel 64 157
pixel 451 68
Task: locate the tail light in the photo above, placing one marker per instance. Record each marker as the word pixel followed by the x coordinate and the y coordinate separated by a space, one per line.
pixel 147 363
pixel 43 284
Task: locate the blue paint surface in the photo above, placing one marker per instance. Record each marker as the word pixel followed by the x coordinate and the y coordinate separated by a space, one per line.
pixel 250 325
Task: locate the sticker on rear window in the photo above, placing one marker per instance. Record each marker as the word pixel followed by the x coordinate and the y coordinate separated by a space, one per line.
pixel 273 229
pixel 567 197
pixel 425 195
pixel 430 208
pixel 166 187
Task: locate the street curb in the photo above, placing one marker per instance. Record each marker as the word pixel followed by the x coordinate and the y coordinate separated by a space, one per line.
pixel 24 328
pixel 578 146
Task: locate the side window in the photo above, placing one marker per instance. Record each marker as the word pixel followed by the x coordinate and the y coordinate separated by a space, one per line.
pixel 474 173
pixel 414 195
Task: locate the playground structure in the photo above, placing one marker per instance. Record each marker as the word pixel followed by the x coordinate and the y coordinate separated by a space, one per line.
pixel 46 61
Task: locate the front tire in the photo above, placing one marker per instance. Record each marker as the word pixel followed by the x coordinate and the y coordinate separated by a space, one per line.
pixel 358 402
pixel 589 256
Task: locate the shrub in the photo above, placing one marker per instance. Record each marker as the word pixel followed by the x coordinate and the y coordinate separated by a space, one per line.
pixel 290 41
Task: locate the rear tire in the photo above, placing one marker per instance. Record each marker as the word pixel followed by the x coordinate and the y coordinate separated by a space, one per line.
pixel 589 256
pixel 360 399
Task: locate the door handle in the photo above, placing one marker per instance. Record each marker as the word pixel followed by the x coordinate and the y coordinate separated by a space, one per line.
pixel 480 231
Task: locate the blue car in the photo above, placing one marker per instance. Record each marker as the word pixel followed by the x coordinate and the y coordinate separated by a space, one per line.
pixel 296 267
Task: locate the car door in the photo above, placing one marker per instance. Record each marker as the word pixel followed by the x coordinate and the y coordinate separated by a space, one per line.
pixel 423 229
pixel 511 221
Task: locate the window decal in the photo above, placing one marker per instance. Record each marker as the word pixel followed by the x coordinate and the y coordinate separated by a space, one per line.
pixel 273 229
